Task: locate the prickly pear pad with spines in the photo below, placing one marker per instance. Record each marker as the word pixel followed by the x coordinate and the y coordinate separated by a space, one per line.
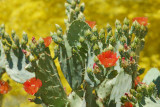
pixel 51 92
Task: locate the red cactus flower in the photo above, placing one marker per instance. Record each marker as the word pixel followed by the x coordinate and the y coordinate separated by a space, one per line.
pixel 47 41
pixel 141 20
pixel 32 85
pixel 91 23
pixel 108 58
pixel 127 104
pixel 137 81
pixel 4 87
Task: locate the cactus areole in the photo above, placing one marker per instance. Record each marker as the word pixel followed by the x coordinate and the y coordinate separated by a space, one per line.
pixel 89 68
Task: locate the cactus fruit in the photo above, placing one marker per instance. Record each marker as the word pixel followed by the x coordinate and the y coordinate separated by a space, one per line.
pixel 102 71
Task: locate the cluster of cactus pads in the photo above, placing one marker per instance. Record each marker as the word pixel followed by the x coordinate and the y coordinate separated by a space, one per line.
pixel 101 67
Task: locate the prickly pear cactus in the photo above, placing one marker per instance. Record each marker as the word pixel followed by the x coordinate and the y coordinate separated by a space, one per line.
pixel 100 66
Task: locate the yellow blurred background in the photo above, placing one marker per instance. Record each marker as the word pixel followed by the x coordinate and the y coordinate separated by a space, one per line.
pixel 38 17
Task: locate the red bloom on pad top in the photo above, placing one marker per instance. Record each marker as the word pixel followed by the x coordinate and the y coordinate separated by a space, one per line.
pixel 91 23
pixel 32 85
pixel 141 20
pixel 108 58
pixel 127 104
pixel 47 41
pixel 4 87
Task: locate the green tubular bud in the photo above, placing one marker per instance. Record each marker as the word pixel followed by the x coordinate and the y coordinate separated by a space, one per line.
pixel 132 53
pixel 141 71
pixel 31 58
pixel 82 7
pixel 59 40
pixel 119 28
pixel 117 23
pixel 58 27
pixel 79 46
pixel 59 33
pixel 73 4
pixel 126 21
pixel 110 47
pixel 16 40
pixel 112 41
pixel 14 46
pixel 88 33
pixel 78 1
pixel 66 5
pixel 102 34
pixel 3 41
pixel 124 99
pixel 109 34
pixel 77 9
pixel 139 96
pixel 93 38
pixel 41 41
pixel 80 16
pixel 32 46
pixel 136 40
pixel 13 33
pixel 96 60
pixel 136 25
pixel 125 28
pixel 109 28
pixel 89 70
pixel 25 37
pixel 81 39
pixel 2 32
pixel 121 48
pixel 133 92
pixel 2 26
pixel 74 51
pixel 152 85
pixel 123 39
pixel 133 46
pixel 6 49
pixel 6 35
pixel 139 89
pixel 94 28
pixel 95 47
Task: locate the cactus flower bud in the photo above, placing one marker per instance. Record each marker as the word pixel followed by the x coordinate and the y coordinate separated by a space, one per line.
pixel 33 40
pixel 80 16
pixel 93 38
pixel 31 58
pixel 121 48
pixel 58 27
pixel 117 23
pixel 26 52
pixel 4 87
pixel 110 47
pixel 77 9
pixel 82 7
pixel 95 47
pixel 32 85
pixel 13 33
pixel 88 33
pixel 91 23
pixel 73 4
pixel 126 21
pixel 96 59
pixel 14 46
pixel 109 28
pixel 81 39
pixel 25 37
pixel 94 29
pixel 89 70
